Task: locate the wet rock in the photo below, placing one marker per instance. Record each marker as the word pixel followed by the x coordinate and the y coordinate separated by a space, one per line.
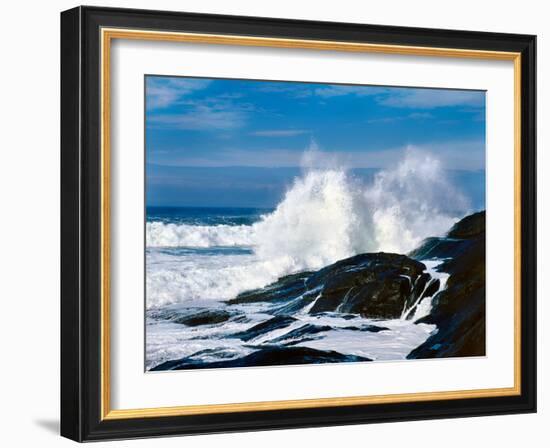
pixel 459 310
pixel 300 334
pixel 379 286
pixel 203 317
pixel 296 304
pixel 373 285
pixel 459 239
pixel 469 227
pixel 369 328
pixel 274 323
pixel 288 286
pixel 430 289
pixel 192 317
pixel 267 356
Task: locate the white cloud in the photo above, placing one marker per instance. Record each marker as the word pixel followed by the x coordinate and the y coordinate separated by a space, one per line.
pixel 408 97
pixel 280 132
pixel 211 113
pixel 420 115
pixel 163 92
pixel 432 98
pixel 404 97
pixel 202 117
pixel 412 116
pixel 304 90
pixel 340 90
pixel 295 90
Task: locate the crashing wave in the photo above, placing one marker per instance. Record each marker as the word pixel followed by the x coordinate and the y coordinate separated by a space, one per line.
pixel 326 215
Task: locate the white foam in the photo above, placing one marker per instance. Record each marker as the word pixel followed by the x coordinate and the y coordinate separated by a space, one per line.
pixel 379 346
pixel 177 279
pixel 161 234
pixel 425 306
pixel 168 341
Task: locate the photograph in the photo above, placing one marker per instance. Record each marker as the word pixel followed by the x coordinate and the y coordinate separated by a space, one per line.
pixel 285 221
pixel 291 223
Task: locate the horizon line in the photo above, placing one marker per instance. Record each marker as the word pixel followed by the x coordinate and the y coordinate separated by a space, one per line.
pixel 294 167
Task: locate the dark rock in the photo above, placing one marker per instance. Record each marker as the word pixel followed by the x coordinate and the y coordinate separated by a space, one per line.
pixel 347 316
pixel 300 334
pixel 264 327
pixel 418 289
pixel 241 319
pixel 295 304
pixel 192 316
pixel 469 227
pixel 338 315
pixel 431 288
pixel 377 286
pixel 459 310
pixel 372 285
pixel 438 247
pixel 420 284
pixel 213 353
pixel 369 328
pixel 203 317
pixel 459 240
pixel 266 356
pixel 288 286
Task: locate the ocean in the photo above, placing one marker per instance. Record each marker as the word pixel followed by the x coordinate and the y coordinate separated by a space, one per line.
pixel 199 260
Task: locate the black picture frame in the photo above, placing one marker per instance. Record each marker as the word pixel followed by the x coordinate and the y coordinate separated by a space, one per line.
pixel 81 381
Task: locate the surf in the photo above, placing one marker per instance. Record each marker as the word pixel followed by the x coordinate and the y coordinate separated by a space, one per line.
pixel 327 214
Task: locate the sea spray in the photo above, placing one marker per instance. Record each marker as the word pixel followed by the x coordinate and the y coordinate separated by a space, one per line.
pixel 328 214
pixel 411 202
pixel 315 224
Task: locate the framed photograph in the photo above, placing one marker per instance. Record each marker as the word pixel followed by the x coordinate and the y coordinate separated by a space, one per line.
pixel 274 223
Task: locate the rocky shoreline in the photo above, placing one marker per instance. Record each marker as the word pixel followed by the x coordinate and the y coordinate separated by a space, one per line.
pixel 376 286
pixel 459 310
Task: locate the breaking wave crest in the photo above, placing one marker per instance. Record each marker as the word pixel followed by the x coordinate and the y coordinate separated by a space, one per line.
pixel 161 234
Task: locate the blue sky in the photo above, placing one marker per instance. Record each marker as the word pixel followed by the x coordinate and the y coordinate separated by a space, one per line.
pixel 220 142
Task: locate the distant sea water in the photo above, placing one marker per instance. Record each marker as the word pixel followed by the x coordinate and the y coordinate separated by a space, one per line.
pixel 199 258
pixel 208 216
pixel 195 253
